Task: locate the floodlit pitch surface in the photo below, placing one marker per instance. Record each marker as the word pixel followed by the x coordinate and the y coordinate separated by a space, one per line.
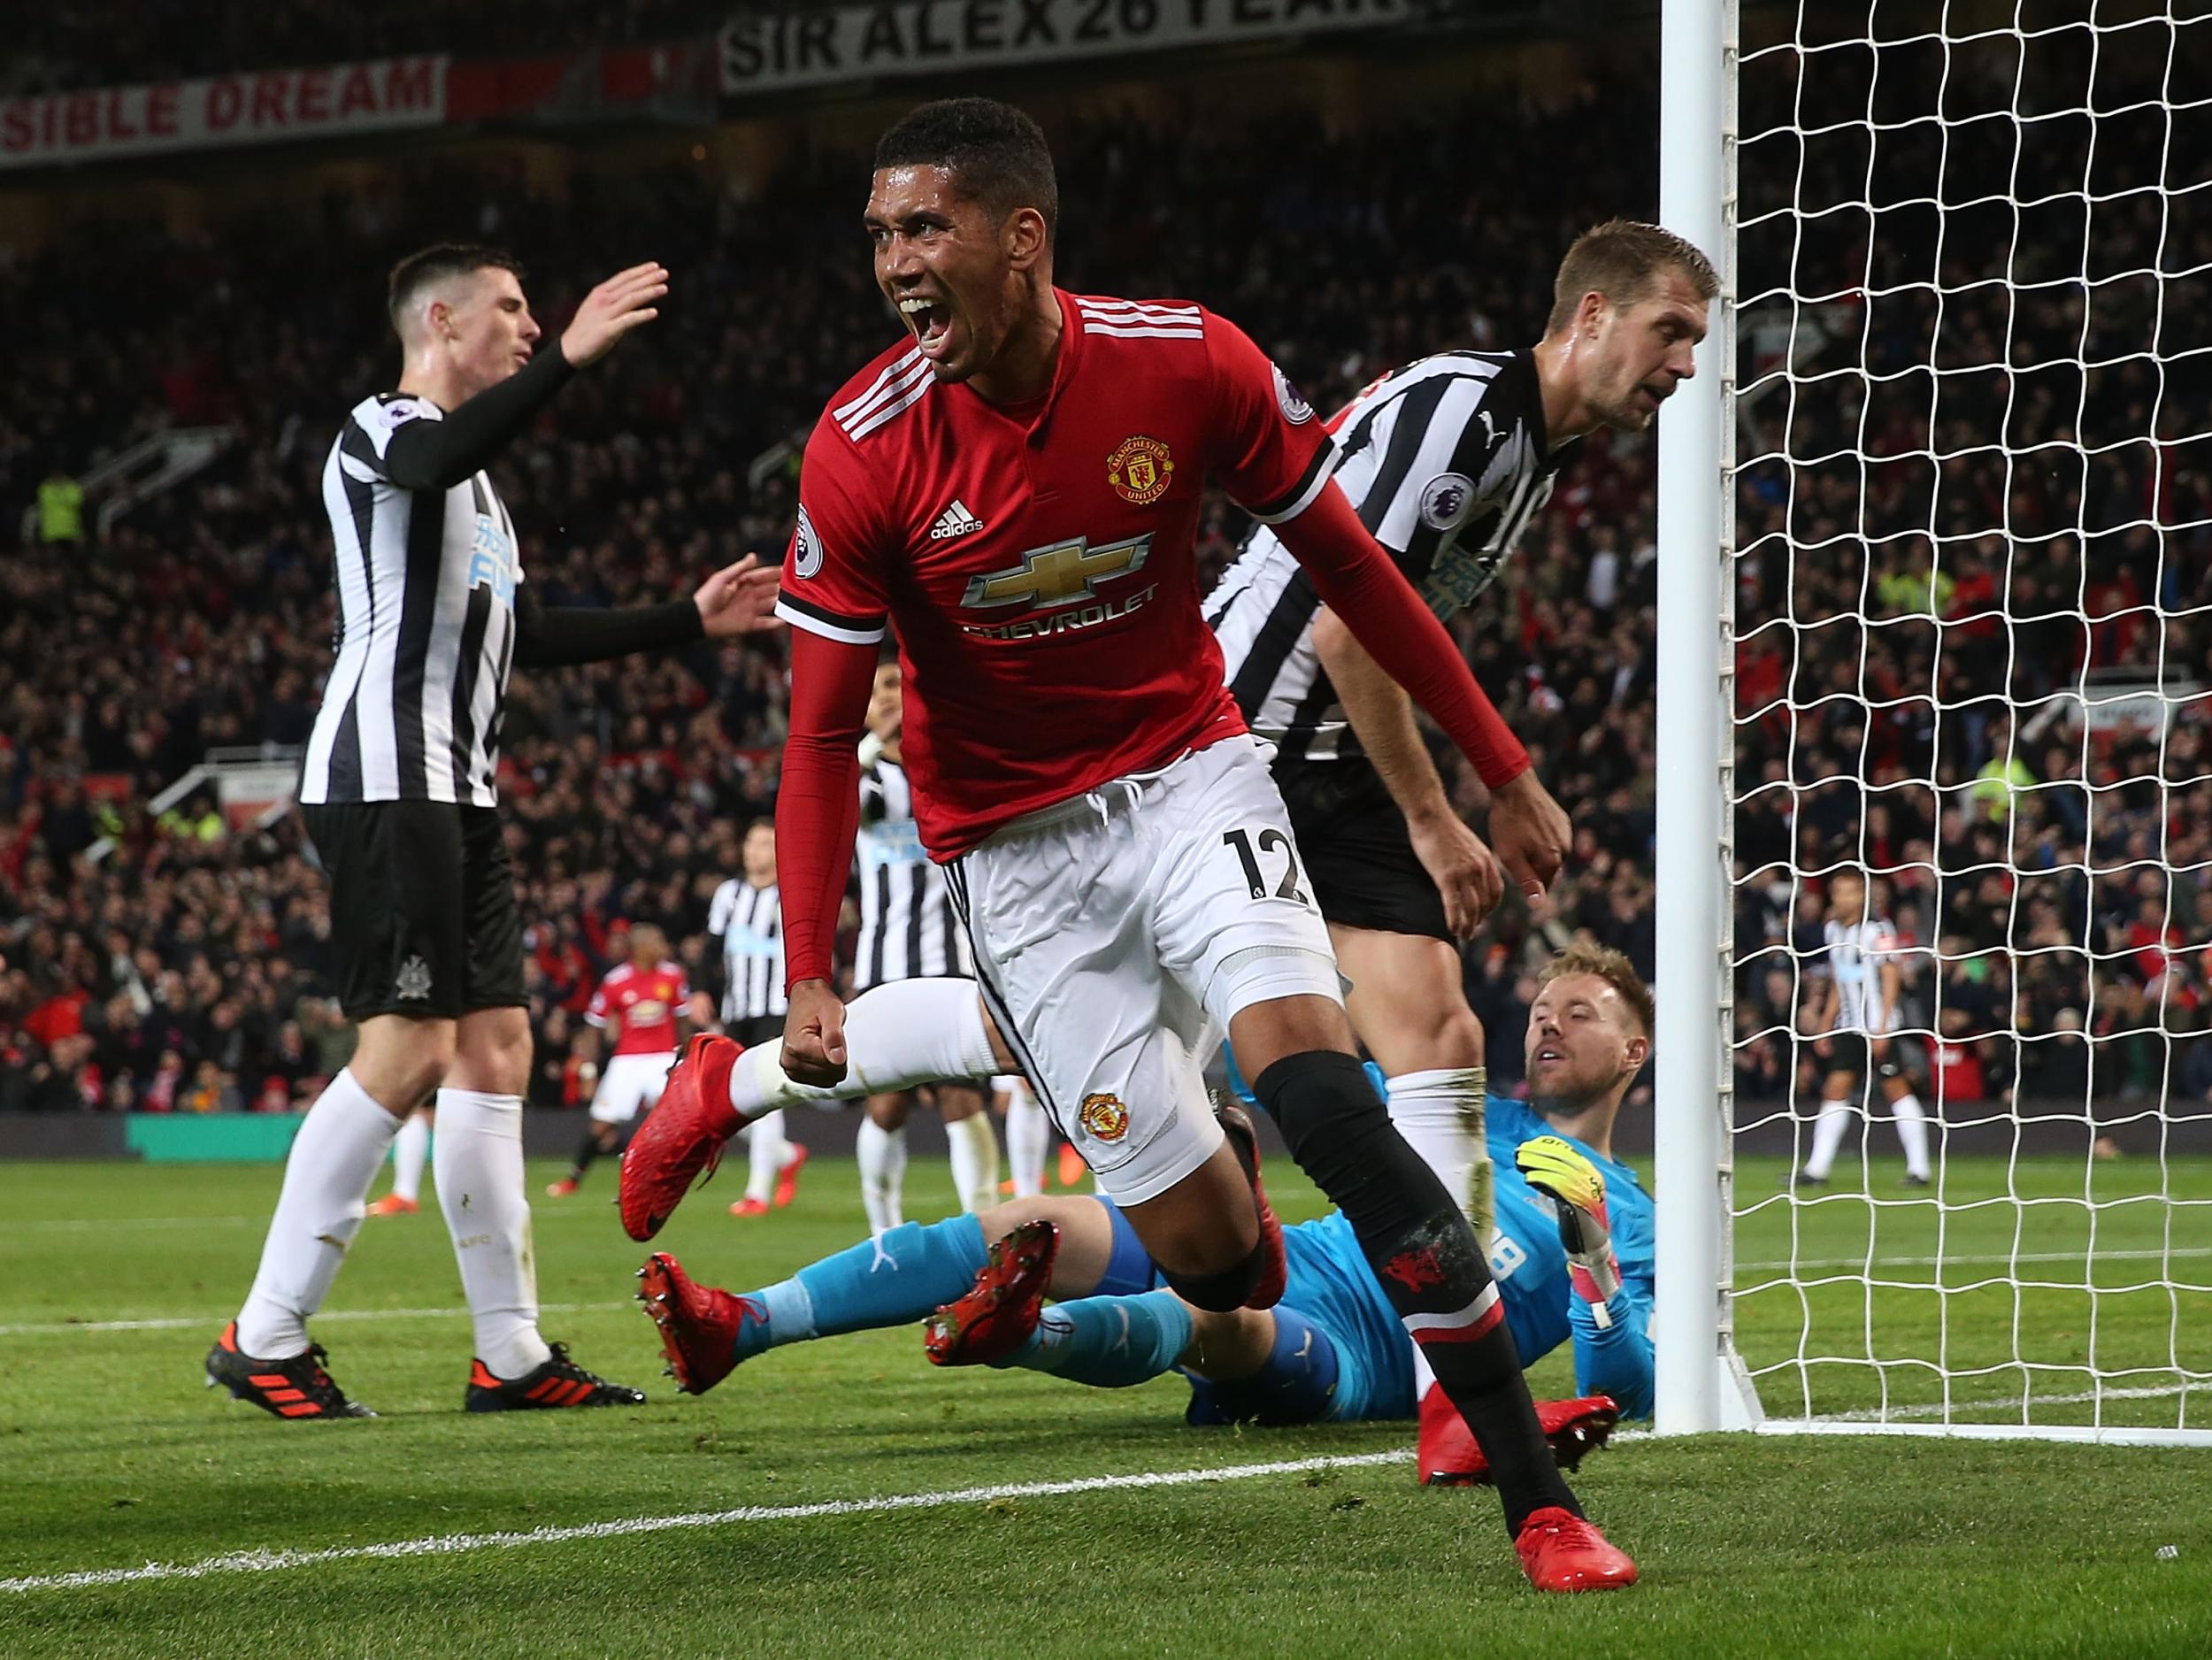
pixel 844 1498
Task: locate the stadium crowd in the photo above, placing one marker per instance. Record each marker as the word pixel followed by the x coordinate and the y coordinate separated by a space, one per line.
pixel 2006 515
pixel 181 969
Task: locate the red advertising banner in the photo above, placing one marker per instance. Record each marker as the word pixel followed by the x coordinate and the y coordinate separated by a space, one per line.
pixel 257 109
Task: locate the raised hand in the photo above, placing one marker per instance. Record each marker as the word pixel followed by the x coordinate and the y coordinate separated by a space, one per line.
pixel 737 599
pixel 622 302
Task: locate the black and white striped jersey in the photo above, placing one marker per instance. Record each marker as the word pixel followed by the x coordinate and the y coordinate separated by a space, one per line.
pixel 908 930
pixel 748 921
pixel 1854 956
pixel 1445 459
pixel 425 633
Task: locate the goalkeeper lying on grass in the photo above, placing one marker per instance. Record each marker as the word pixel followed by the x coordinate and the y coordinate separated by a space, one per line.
pixel 1571 1252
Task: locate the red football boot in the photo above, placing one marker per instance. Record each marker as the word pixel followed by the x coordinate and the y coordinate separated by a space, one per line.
pixel 1001 1309
pixel 700 1326
pixel 1451 1459
pixel 750 1207
pixel 788 1179
pixel 1560 1551
pixel 682 1136
pixel 1244 1141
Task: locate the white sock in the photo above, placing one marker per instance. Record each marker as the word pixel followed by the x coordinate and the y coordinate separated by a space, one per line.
pixel 478 1171
pixel 908 1032
pixel 767 1152
pixel 1835 1119
pixel 327 1176
pixel 1439 1113
pixel 974 1147
pixel 882 1156
pixel 1912 1132
pixel 409 1148
pixel 1028 1137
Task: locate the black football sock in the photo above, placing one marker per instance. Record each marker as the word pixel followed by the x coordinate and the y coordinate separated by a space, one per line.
pixel 585 1152
pixel 1424 1257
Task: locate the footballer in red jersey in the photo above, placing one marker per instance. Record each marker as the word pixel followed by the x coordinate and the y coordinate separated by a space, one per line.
pixel 1014 492
pixel 645 1003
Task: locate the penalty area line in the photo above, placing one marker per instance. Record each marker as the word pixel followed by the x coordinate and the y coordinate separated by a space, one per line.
pixel 214 1322
pixel 265 1561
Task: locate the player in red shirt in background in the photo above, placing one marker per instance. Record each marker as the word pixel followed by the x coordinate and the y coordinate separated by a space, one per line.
pixel 1020 483
pixel 646 1003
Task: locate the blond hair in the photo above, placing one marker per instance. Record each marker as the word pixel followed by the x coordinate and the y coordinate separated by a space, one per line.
pixel 1613 968
pixel 1622 260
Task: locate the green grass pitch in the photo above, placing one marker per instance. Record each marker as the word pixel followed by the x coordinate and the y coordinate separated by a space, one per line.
pixel 113 1456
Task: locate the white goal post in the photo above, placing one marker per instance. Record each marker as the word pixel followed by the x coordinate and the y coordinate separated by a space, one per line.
pixel 1935 627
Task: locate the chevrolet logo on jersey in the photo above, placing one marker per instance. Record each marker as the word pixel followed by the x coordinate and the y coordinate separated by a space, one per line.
pixel 1061 574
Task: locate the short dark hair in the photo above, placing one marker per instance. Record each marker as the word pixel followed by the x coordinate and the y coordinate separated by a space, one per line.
pixel 435 264
pixel 1621 259
pixel 997 154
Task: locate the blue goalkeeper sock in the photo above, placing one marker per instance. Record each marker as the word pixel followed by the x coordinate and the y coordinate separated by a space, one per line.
pixel 1295 1385
pixel 900 1275
pixel 1107 1342
pixel 1300 1376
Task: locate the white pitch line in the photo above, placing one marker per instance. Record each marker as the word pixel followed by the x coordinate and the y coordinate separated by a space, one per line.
pixel 62 1328
pixel 213 1322
pixel 1983 1258
pixel 1937 1408
pixel 104 1224
pixel 453 1544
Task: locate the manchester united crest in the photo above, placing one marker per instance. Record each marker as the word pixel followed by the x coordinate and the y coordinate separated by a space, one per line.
pixel 1103 1117
pixel 1140 472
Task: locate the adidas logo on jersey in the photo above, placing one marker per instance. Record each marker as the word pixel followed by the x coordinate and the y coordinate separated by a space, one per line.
pixel 956 520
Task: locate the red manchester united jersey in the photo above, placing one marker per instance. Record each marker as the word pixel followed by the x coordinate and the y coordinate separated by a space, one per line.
pixel 1038 564
pixel 646 1003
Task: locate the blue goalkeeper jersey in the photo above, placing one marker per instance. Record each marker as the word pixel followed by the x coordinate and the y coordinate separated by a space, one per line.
pixel 1611 1357
pixel 1527 1261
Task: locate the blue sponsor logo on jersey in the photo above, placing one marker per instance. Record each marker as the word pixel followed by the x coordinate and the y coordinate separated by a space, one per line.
pixel 492 562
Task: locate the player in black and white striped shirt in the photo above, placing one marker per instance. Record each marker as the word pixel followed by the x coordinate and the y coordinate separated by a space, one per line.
pixel 398 793
pixel 1447 460
pixel 1855 1010
pixel 908 927
pixel 747 916
pixel 908 931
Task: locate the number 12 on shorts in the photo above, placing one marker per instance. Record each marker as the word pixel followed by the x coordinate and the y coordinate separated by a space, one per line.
pixel 1269 841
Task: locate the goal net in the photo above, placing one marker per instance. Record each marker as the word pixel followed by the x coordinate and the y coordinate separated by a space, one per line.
pixel 1966 801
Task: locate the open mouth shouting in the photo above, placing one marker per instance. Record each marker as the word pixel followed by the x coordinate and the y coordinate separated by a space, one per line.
pixel 931 319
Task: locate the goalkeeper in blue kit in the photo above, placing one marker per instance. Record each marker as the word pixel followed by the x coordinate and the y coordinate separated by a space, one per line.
pixel 1570 1247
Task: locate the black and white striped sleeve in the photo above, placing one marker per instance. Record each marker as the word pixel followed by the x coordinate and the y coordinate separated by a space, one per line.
pixel 1440 469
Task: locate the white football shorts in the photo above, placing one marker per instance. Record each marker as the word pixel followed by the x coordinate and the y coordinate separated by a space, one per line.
pixel 1117 933
pixel 629 1082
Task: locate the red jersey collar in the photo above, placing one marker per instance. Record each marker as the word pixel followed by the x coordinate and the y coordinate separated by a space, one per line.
pixel 1064 367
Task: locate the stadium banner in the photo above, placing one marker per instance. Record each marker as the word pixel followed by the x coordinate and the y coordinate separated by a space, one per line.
pixel 820 47
pixel 257 108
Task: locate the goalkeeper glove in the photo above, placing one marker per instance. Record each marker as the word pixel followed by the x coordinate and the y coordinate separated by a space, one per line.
pixel 1576 1190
